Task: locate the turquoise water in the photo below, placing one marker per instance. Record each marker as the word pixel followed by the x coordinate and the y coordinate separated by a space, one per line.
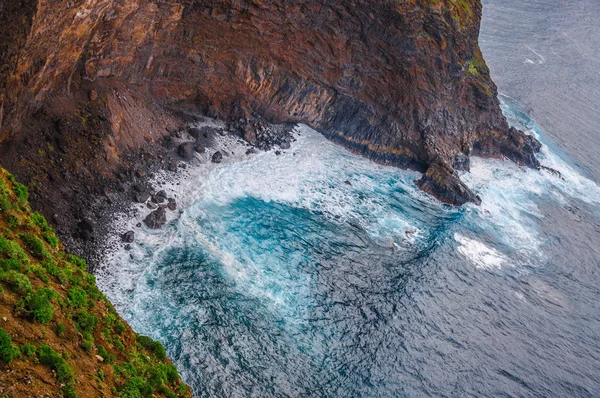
pixel 318 273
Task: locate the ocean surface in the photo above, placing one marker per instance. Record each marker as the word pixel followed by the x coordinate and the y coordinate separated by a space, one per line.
pixel 317 273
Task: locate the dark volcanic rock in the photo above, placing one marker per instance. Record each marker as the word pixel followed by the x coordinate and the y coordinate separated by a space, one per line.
pixel 85 229
pixel 217 157
pixel 186 150
pixel 159 197
pixel 156 219
pixel 443 182
pixel 194 132
pixel 172 204
pixel 128 237
pixel 200 148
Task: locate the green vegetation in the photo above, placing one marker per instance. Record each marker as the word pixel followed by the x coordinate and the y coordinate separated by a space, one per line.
pixel 60 320
pixel 8 351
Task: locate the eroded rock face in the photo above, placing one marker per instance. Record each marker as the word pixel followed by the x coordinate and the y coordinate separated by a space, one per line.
pixel 403 83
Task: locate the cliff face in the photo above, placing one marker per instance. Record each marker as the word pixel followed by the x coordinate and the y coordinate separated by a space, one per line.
pixel 401 82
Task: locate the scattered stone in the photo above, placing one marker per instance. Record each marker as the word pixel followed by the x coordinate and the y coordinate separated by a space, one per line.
pixel 277 153
pixel 128 247
pixel 250 151
pixel 128 237
pixel 217 157
pixel 86 229
pixel 139 225
pixel 173 166
pixel 250 133
pixel 186 150
pixel 156 219
pixel 347 182
pixel 172 204
pixel 194 132
pixel 93 95
pixel 151 205
pixel 285 145
pixel 98 357
pixel 200 149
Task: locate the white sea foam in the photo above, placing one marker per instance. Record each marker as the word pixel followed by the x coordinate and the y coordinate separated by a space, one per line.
pixel 479 254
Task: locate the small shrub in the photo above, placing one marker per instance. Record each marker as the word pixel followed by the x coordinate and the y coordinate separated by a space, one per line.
pixel 13 221
pixel 118 345
pixel 39 272
pixel 8 351
pixel 77 297
pixel 38 305
pixel 5 204
pixel 21 192
pixel 28 349
pixel 77 261
pixel 87 345
pixel 37 246
pixel 16 281
pixel 93 292
pixel 40 221
pixel 12 249
pixel 10 263
pixel 108 357
pixel 51 239
pixel 60 329
pixel 86 322
pixel 119 327
pixel 136 387
pixel 153 346
pixel 52 359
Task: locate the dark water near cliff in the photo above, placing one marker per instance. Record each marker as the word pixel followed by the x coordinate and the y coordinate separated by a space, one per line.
pixel 280 279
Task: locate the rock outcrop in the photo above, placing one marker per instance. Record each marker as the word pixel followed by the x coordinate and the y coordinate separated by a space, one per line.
pixel 401 82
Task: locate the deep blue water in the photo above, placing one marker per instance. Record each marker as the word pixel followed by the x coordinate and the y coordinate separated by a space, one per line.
pixel 280 279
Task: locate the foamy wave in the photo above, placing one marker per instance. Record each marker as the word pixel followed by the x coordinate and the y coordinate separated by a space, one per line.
pixel 479 254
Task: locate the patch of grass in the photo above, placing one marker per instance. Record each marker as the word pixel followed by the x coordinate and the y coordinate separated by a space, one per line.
pixel 40 221
pixel 108 357
pixel 28 349
pixel 21 192
pixel 86 322
pixel 37 247
pixel 8 351
pixel 10 263
pixel 153 346
pixel 77 297
pixel 17 281
pixel 51 239
pixel 12 249
pixel 77 261
pixel 56 362
pixel 60 329
pixel 38 305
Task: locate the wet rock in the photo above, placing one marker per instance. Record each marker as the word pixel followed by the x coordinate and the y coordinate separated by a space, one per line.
pixel 200 148
pixel 159 197
pixel 461 162
pixel 285 145
pixel 128 247
pixel 151 205
pixel 347 182
pixel 141 197
pixel 217 157
pixel 173 166
pixel 442 182
pixel 194 132
pixel 156 219
pixel 128 237
pixel 186 150
pixel 171 204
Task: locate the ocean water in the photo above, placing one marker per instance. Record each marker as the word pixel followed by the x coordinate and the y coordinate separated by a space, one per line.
pixel 317 273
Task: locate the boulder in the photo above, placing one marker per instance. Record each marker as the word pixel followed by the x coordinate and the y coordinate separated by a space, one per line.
pixel 217 157
pixel 186 150
pixel 128 237
pixel 156 219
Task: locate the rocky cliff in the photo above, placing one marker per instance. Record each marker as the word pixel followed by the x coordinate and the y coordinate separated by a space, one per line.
pixel 401 82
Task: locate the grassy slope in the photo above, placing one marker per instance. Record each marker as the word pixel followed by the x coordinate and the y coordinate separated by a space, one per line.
pixel 59 335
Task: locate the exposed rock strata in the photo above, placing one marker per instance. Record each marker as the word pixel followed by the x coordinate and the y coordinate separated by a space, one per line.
pixel 403 83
